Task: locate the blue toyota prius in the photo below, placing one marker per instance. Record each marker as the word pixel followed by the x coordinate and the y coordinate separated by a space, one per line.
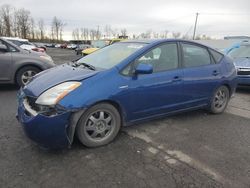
pixel 122 84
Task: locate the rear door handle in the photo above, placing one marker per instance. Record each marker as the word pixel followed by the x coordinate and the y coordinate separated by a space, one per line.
pixel 215 72
pixel 176 79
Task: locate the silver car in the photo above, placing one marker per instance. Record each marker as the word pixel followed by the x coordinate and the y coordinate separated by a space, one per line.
pixel 18 65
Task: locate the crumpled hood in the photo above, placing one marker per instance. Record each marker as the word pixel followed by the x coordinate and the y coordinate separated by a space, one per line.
pixel 54 76
pixel 242 62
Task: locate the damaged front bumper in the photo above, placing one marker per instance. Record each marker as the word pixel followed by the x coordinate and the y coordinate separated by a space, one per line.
pixel 50 131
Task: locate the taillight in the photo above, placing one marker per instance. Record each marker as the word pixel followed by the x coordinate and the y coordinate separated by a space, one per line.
pixel 38 49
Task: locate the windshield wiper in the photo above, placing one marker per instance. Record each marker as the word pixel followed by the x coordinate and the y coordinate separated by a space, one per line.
pixel 91 67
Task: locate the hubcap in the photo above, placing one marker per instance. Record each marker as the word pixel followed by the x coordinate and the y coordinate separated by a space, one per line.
pixel 220 99
pixel 26 77
pixel 99 125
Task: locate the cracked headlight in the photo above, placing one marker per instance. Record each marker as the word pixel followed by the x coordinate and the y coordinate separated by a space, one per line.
pixel 53 95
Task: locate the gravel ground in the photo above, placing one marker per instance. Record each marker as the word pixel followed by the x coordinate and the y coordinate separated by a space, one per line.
pixel 193 149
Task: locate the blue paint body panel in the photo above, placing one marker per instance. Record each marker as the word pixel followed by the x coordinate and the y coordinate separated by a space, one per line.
pixel 139 97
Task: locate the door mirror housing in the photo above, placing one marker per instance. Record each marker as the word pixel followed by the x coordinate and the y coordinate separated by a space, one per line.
pixel 3 48
pixel 144 69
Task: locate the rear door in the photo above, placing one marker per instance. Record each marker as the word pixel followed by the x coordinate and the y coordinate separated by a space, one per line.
pixel 201 74
pixel 5 63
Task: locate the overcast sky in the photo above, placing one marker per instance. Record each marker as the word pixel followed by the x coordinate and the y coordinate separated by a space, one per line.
pixel 217 17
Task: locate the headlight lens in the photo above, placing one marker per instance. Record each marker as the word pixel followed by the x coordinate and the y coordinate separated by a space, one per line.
pixel 46 57
pixel 53 95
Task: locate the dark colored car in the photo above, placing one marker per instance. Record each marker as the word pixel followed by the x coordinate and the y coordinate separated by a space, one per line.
pixel 64 45
pixel 123 84
pixel 81 47
pixel 18 65
pixel 241 55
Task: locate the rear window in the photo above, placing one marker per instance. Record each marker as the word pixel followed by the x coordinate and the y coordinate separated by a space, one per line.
pixel 216 55
pixel 194 55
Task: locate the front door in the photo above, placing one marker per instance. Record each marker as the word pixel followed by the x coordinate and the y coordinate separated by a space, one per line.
pixel 5 64
pixel 158 92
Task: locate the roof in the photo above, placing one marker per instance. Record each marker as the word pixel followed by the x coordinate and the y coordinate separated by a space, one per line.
pixel 14 38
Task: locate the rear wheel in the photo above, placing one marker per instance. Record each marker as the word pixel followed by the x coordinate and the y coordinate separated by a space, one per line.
pixel 25 74
pixel 220 100
pixel 99 125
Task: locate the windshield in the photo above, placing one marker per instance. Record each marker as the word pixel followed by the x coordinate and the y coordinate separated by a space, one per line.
pixel 110 56
pixel 241 52
pixel 99 43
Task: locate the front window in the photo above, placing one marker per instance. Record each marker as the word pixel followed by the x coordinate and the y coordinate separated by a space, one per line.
pixel 112 55
pixel 241 52
pixel 162 58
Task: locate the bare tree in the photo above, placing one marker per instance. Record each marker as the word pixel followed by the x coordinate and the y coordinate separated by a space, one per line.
pixel 107 31
pixel 156 35
pixel 32 28
pixel 15 26
pixel 76 34
pixel 124 32
pixel 57 29
pixel 1 27
pixel 148 34
pixel 24 22
pixel 93 34
pixel 5 13
pixel 85 33
pixel 176 34
pixel 41 29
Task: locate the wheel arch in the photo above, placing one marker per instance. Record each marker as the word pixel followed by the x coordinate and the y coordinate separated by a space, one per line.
pixel 116 105
pixel 77 115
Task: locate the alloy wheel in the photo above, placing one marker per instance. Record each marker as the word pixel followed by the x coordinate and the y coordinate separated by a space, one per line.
pixel 27 75
pixel 99 125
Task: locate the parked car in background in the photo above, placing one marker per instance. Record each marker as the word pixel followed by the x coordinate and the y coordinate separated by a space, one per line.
pixel 64 45
pixel 24 44
pixel 133 81
pixel 57 45
pixel 241 56
pixel 97 44
pixel 50 45
pixel 40 45
pixel 81 47
pixel 71 46
pixel 18 65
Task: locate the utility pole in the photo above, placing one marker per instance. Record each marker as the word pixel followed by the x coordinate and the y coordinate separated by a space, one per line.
pixel 195 24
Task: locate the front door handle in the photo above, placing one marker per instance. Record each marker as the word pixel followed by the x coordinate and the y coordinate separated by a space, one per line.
pixel 176 79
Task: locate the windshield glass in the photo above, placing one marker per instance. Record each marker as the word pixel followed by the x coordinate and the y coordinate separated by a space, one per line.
pixel 110 56
pixel 99 43
pixel 241 52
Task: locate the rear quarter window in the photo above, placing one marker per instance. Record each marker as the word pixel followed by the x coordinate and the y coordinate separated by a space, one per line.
pixel 216 55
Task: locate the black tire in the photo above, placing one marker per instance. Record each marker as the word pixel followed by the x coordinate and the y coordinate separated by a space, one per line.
pixel 95 130
pixel 220 100
pixel 29 71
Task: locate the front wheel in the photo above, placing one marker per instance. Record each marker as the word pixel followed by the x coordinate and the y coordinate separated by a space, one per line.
pixel 99 125
pixel 220 100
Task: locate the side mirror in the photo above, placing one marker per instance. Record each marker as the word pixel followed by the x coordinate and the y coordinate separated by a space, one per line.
pixel 144 69
pixel 3 48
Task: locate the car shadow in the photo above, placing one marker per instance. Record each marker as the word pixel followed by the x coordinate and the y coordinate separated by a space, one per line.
pixel 8 87
pixel 243 89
